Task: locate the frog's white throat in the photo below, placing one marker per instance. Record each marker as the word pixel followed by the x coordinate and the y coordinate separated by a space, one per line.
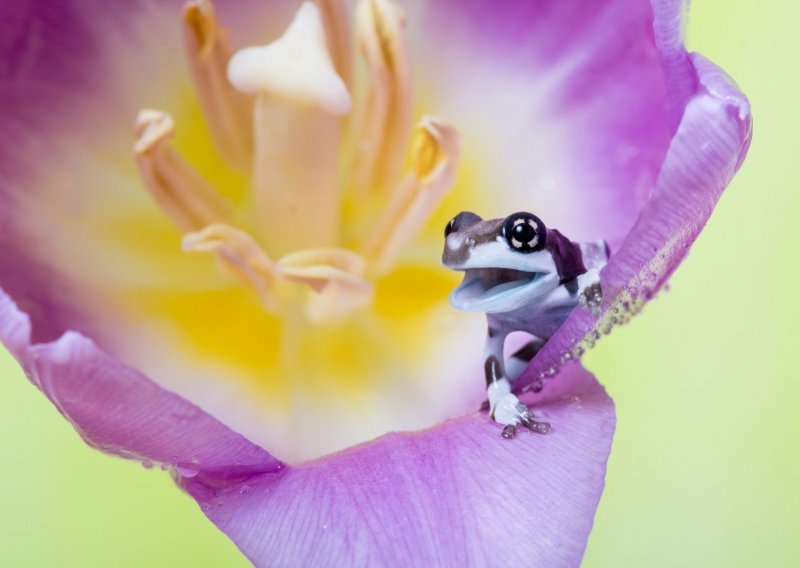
pixel 497 290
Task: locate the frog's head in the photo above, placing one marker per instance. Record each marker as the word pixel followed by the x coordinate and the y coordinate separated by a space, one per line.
pixel 507 262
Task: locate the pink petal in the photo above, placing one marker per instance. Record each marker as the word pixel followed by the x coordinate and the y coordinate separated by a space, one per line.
pixel 451 495
pixel 668 23
pixel 709 146
pixel 118 410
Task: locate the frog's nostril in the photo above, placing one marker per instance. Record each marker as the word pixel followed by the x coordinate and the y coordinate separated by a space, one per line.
pixel 461 221
pixel 449 227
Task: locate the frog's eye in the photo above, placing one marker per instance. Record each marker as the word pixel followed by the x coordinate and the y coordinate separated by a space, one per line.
pixel 461 221
pixel 524 232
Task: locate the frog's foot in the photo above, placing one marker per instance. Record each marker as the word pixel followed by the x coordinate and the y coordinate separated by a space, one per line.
pixel 506 409
pixel 522 416
pixel 518 362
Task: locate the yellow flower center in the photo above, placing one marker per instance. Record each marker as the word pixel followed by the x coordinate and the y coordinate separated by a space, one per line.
pixel 330 316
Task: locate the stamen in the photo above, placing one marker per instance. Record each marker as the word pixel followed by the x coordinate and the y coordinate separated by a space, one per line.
pixel 298 97
pixel 337 34
pixel 189 200
pixel 381 135
pixel 240 254
pixel 227 111
pixel 436 151
pixel 334 274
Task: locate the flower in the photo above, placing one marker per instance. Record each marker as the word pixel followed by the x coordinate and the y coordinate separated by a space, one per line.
pixel 598 115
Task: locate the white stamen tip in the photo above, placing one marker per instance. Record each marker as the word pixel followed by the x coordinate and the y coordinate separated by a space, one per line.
pixel 296 66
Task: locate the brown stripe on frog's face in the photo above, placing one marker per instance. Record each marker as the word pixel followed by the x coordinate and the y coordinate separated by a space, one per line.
pixel 465 232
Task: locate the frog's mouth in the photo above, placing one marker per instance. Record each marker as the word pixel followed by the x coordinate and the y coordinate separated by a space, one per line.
pixel 485 289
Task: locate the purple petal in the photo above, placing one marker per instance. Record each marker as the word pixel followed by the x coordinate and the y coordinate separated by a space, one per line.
pixel 451 496
pixel 709 146
pixel 118 410
pixel 681 79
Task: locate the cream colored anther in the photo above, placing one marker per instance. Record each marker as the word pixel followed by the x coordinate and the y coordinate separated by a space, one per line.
pixel 335 276
pixel 240 254
pixel 189 200
pixel 435 153
pixel 227 112
pixel 384 124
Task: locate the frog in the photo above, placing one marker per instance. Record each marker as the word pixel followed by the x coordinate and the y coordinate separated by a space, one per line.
pixel 525 277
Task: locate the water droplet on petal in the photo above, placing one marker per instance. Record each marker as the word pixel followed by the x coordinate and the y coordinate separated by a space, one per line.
pixel 187 472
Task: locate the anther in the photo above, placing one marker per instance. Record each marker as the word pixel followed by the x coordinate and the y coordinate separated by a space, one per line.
pixel 227 112
pixel 189 200
pixel 436 153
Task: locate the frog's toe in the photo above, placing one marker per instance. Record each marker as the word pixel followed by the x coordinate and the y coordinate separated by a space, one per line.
pixel 509 431
pixel 534 425
pixel 511 413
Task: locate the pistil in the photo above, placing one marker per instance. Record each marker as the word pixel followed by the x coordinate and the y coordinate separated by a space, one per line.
pixel 296 131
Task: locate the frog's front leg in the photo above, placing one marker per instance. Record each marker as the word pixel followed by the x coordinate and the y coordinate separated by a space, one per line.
pixel 504 406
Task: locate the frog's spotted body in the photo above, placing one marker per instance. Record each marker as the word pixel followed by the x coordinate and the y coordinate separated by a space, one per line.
pixel 526 277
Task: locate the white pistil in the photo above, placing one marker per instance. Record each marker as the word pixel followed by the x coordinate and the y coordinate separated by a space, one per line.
pixel 435 155
pixel 296 67
pixel 296 130
pixel 383 127
pixel 334 274
pixel 227 111
pixel 189 200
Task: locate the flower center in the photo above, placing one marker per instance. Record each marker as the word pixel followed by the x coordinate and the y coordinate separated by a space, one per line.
pixel 280 111
pixel 338 190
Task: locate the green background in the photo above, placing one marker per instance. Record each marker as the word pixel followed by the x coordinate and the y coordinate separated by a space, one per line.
pixel 705 469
